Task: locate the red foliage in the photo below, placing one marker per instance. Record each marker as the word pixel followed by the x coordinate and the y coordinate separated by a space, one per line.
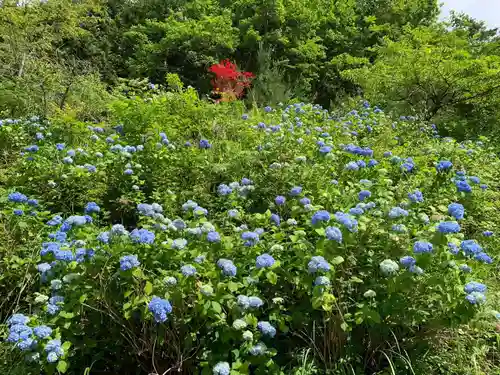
pixel 229 82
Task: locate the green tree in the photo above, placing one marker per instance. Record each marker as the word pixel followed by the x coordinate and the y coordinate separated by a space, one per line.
pixel 436 74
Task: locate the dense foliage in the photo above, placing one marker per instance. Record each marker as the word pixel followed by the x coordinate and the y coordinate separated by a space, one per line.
pixel 170 203
pixel 63 55
pixel 184 236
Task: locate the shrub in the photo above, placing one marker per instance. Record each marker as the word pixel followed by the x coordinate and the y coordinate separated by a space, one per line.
pixel 187 247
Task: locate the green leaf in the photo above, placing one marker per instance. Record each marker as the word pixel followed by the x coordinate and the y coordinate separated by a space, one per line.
pixel 337 260
pixel 217 307
pixel 148 288
pixel 320 231
pixel 232 286
pixel 272 277
pixel 67 315
pixel 62 366
pixel 355 279
pixel 66 345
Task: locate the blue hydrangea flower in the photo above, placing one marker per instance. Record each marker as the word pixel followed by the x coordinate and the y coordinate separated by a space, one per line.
pixel 474 286
pixel 188 270
pixel 18 319
pixel 258 349
pixel 463 186
pixel 92 207
pixel 179 243
pixel 470 247
pixel 474 179
pixel 325 149
pixel 64 255
pixel 465 268
pixel 255 302
pixel 296 191
pixel 118 230
pixel 416 196
pixel 128 262
pixel 456 210
pixel 179 224
pixel 44 267
pixel 483 257
pixel 213 237
pixel 53 305
pixel 322 281
pixel 333 234
pixel 128 172
pixel 54 347
pixel 453 248
pixel 42 332
pixel 363 194
pixel 142 236
pixel 232 213
pixel 18 212
pixel 399 228
pixel 200 211
pixel 170 281
pixel 396 212
pixel 280 200
pixel 421 247
pixel 222 368
pixel 476 298
pixel 352 166
pixel 266 329
pixel 446 227
pixel 223 189
pixel 321 215
pixel 250 238
pixel 33 202
pixel 347 221
pixel 275 219
pixel 407 261
pixel 304 201
pixel 17 197
pixel 60 146
pixel 416 270
pixel 103 237
pixel 487 233
pixel 227 266
pixel 264 260
pixel 19 332
pixel 388 267
pixel 160 309
pixel 243 302
pixel 33 148
pixel 356 211
pixel 318 263
pixel 204 144
pixel 444 165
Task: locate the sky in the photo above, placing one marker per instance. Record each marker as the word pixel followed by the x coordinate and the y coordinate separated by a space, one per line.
pixel 486 10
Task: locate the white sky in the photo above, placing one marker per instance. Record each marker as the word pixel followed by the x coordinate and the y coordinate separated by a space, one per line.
pixel 486 10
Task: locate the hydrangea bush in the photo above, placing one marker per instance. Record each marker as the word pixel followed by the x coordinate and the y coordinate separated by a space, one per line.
pixel 230 251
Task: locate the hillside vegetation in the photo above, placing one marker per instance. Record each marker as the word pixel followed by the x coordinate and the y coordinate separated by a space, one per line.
pixel 248 187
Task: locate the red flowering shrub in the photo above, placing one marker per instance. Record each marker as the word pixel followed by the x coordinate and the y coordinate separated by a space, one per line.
pixel 229 83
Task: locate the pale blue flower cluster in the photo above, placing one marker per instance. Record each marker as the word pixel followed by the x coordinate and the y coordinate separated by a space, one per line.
pixel 128 262
pixel 227 266
pixel 318 263
pixel 160 309
pixel 264 261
